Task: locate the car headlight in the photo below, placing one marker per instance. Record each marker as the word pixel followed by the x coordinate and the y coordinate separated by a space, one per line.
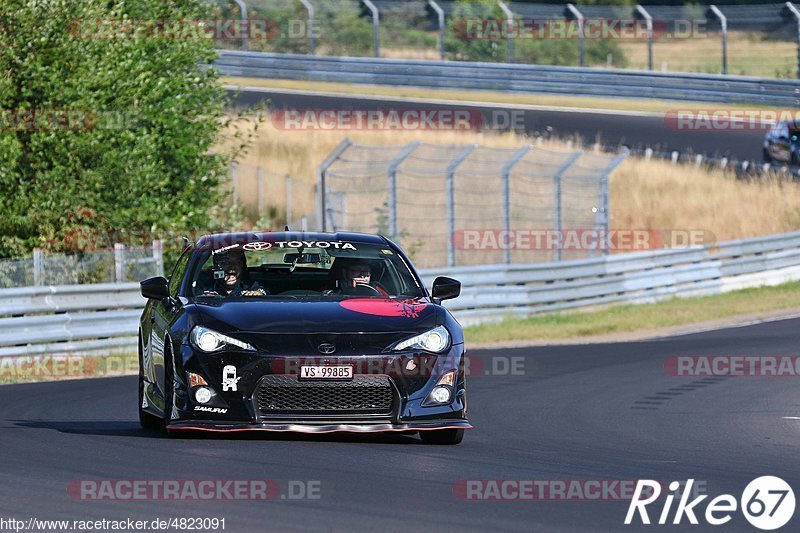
pixel 208 340
pixel 436 340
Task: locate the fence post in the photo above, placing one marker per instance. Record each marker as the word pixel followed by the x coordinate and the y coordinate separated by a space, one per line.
pixel 557 196
pixel 158 256
pixel 243 16
pixel 119 262
pixel 376 25
pixel 38 267
pixel 723 22
pixel 392 200
pixel 509 29
pixel 440 14
pixel 522 152
pixel 288 199
pixel 321 170
pixel 451 200
pixel 605 196
pixel 310 27
pixel 260 189
pixel 649 24
pixel 579 17
pixel 794 11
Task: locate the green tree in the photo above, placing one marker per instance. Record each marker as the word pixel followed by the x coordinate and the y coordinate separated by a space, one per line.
pixel 125 122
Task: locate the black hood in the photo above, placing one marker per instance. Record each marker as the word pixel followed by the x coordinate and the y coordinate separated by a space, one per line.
pixel 354 325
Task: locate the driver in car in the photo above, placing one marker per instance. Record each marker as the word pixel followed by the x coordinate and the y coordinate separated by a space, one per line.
pixel 356 279
pixel 232 284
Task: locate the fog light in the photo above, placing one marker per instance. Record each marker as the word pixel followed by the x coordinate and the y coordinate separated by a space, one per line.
pixel 440 394
pixel 203 395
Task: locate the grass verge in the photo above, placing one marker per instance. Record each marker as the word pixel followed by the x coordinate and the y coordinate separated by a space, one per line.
pixel 636 317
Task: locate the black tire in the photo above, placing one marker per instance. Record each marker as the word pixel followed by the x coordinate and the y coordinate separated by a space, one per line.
pixel 767 157
pixel 146 420
pixel 442 436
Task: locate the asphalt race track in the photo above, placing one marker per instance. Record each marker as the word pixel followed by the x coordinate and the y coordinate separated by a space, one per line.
pixel 635 130
pixel 592 412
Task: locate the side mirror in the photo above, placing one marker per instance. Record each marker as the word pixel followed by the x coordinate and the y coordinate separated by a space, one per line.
pixel 156 288
pixel 445 288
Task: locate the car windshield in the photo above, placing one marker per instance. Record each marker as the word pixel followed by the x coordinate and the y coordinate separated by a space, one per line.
pixel 301 270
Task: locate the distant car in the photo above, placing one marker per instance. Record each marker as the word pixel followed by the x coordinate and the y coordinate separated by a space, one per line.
pixel 782 144
pixel 326 332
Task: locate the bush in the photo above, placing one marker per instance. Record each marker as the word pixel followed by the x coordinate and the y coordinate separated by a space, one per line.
pixel 139 154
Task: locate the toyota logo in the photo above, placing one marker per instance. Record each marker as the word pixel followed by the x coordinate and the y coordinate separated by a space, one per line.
pixel 326 348
pixel 257 246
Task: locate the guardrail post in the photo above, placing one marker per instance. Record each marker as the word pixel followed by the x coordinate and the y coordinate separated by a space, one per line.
pixel 451 200
pixel 119 262
pixel 321 170
pixel 376 25
pixel 522 152
pixel 310 27
pixel 158 256
pixel 509 29
pixel 392 201
pixel 38 267
pixel 440 14
pixel 723 22
pixel 571 9
pixel 794 11
pixel 260 190
pixel 243 15
pixel 649 24
pixel 557 196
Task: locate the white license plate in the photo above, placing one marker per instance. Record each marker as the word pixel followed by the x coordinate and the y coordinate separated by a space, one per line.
pixel 326 372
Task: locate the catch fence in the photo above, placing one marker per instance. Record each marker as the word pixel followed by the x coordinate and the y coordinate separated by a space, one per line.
pixel 441 202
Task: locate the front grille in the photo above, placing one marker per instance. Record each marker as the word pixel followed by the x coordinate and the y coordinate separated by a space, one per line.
pixel 286 395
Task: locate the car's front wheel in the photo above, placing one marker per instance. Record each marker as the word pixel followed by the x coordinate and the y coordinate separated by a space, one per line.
pixel 442 436
pixel 146 420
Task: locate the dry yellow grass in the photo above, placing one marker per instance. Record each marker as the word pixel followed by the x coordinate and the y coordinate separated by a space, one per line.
pixel 748 54
pixel 644 194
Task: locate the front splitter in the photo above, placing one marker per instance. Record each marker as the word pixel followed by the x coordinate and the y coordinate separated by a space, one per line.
pixel 317 428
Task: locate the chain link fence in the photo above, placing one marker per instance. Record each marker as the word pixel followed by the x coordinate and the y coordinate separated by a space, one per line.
pixel 117 265
pixel 455 205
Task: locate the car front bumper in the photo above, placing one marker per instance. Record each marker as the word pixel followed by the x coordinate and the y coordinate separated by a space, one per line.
pixel 404 408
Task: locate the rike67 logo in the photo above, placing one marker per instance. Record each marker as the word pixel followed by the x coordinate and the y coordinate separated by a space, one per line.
pixel 767 503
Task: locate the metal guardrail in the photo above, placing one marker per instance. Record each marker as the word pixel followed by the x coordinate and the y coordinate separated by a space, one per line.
pixel 86 318
pixel 574 81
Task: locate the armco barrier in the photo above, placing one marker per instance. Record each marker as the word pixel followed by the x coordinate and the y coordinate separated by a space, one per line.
pixel 88 318
pixel 573 81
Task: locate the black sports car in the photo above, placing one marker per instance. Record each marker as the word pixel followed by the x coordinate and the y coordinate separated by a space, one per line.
pixel 309 332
